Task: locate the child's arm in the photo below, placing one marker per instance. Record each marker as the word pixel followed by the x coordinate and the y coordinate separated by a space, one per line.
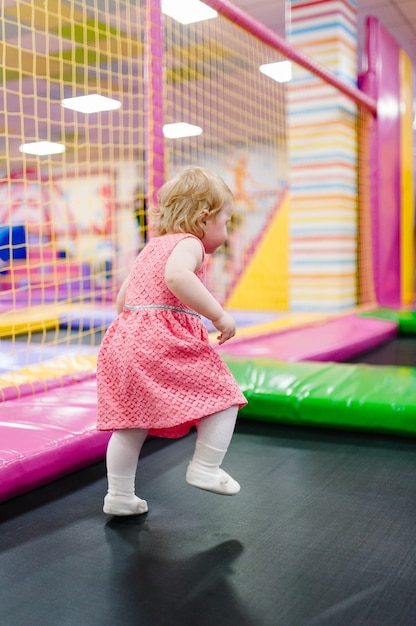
pixel 183 262
pixel 121 296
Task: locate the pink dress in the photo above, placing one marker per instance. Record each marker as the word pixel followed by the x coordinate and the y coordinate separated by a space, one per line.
pixel 156 367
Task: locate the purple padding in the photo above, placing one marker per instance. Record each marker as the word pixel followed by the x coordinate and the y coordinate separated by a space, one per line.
pixel 95 317
pixel 48 435
pixel 336 340
pixel 15 356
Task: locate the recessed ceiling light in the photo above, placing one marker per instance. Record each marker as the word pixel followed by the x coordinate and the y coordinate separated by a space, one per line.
pixel 92 103
pixel 181 129
pixel 187 11
pixel 280 71
pixel 42 148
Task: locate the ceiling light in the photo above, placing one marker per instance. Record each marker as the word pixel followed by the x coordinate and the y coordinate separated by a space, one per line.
pixel 187 11
pixel 281 71
pixel 92 103
pixel 42 148
pixel 181 129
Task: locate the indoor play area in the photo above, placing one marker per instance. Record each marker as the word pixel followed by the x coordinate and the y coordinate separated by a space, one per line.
pixel 318 272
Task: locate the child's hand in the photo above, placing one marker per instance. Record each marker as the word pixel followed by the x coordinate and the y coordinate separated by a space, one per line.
pixel 226 325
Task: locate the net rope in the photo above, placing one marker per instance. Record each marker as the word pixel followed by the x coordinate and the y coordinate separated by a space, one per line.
pixel 72 223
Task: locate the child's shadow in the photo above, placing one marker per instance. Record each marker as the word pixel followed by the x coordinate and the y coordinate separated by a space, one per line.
pixel 158 589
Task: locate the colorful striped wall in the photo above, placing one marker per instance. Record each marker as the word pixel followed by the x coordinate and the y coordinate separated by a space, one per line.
pixel 323 160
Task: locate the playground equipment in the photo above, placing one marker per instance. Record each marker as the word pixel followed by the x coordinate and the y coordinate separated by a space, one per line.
pixel 297 274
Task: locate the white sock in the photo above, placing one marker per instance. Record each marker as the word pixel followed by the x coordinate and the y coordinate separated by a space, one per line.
pixel 122 456
pixel 121 499
pixel 204 471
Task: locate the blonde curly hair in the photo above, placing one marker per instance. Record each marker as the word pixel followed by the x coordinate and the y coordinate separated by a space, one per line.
pixel 185 201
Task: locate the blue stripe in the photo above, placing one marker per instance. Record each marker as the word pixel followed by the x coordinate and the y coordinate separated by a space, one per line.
pixel 320 230
pixel 320 186
pixel 351 158
pixel 317 263
pixel 309 29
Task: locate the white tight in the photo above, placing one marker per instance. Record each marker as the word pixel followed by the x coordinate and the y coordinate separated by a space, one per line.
pixel 123 451
pixel 216 430
pixel 124 447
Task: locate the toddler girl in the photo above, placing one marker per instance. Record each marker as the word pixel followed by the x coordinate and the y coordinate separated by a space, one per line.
pixel 157 373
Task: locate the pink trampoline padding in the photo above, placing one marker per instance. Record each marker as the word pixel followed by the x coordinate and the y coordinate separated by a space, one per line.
pixel 335 340
pixel 47 435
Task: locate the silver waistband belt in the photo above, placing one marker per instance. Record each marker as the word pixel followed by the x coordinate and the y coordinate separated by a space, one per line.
pixel 166 307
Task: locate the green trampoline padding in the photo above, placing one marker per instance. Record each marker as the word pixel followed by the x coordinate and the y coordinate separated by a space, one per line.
pixel 334 395
pixel 406 320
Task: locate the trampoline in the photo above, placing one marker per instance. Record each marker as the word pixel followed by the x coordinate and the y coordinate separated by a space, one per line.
pixel 47 423
pixel 322 532
pixel 400 351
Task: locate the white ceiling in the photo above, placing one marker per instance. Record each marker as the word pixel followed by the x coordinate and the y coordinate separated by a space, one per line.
pixel 397 16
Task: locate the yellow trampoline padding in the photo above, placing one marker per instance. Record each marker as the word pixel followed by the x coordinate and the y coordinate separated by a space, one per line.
pixel 28 320
pixel 36 318
pixel 289 321
pixel 407 248
pixel 47 370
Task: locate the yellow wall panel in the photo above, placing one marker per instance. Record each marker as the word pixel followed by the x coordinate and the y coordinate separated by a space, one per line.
pixel 264 284
pixel 407 196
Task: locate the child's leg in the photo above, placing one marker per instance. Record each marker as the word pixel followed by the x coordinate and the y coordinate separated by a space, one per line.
pixel 213 438
pixel 122 456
